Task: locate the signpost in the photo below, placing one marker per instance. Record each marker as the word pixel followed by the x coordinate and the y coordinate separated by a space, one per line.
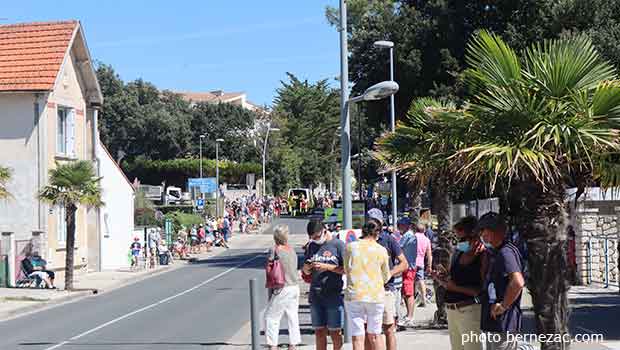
pixel 205 184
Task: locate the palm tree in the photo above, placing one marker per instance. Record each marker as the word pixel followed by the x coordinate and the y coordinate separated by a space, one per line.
pixel 419 150
pixel 70 185
pixel 5 176
pixel 538 122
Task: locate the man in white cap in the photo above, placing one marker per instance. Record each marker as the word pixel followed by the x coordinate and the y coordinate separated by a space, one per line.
pixel 398 265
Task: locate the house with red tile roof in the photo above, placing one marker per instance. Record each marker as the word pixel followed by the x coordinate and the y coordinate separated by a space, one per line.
pixel 49 101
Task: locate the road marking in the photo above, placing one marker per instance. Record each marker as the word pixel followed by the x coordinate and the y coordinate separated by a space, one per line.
pixel 586 330
pixel 153 305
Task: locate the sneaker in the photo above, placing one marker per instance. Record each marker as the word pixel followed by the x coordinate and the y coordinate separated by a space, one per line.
pixel 402 322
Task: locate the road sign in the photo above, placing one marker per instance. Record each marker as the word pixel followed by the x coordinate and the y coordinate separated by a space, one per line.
pixel 200 203
pixel 206 184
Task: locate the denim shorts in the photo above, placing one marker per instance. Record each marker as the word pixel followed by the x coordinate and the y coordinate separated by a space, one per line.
pixel 327 312
pixel 419 274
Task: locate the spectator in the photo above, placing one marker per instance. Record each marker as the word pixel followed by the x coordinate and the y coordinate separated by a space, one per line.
pixel 164 253
pixel 367 270
pixel 324 262
pixel 154 238
pixel 284 301
pixel 135 249
pixel 423 258
pixel 409 245
pixel 398 265
pixel 39 267
pixel 226 228
pixel 463 284
pixel 504 282
pixel 194 241
pixel 202 235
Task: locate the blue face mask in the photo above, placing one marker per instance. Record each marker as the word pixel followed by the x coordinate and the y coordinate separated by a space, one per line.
pixel 487 245
pixel 463 247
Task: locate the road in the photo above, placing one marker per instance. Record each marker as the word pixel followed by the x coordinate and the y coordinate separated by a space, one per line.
pixel 199 306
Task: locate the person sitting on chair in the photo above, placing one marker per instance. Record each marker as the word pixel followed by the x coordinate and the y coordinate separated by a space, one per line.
pixel 35 267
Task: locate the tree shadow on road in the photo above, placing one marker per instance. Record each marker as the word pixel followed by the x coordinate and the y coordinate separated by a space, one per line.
pixel 595 314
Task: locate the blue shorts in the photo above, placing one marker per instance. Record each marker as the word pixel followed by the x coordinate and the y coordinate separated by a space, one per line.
pixel 327 312
pixel 419 274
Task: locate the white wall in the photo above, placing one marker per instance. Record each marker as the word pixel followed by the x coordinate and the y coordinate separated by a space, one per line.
pixel 117 214
pixel 18 151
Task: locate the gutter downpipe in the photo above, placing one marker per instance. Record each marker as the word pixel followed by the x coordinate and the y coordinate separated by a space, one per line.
pixel 95 132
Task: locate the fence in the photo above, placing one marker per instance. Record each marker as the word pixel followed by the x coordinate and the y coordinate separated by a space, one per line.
pixel 601 261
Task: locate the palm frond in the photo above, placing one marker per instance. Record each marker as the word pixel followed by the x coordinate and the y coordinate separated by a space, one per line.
pixel 73 183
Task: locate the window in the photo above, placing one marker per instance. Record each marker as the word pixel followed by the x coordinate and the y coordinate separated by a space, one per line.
pixel 62 131
pixel 61 230
pixel 65 134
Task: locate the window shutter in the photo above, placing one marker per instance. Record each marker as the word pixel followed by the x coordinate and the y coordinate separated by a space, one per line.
pixel 71 133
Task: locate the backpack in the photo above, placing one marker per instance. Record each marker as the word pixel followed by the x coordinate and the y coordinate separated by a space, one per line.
pixel 274 272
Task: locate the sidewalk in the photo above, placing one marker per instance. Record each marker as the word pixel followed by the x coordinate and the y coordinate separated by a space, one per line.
pixel 18 301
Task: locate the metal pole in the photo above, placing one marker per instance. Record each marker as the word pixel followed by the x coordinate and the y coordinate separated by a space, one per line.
pixel 265 158
pixel 201 157
pixel 345 129
pixel 345 123
pixel 589 255
pixel 393 124
pixel 606 263
pixel 217 179
pixel 359 155
pixel 254 315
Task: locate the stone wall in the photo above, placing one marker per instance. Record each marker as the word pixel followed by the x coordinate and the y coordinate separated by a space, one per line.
pixel 596 223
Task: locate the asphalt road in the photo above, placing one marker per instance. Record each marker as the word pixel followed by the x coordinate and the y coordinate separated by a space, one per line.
pixel 200 306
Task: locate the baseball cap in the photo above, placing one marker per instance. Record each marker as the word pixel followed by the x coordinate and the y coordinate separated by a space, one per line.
pixel 375 213
pixel 404 221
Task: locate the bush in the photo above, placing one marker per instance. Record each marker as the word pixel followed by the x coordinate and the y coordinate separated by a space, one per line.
pixel 177 171
pixel 181 220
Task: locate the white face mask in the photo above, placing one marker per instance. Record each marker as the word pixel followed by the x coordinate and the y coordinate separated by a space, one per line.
pixel 319 241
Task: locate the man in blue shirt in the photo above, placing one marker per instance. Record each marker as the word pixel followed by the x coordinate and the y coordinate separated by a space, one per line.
pixel 504 282
pixel 398 265
pixel 323 261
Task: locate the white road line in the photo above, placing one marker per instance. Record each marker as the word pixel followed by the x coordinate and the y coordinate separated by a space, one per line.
pixel 586 330
pixel 152 305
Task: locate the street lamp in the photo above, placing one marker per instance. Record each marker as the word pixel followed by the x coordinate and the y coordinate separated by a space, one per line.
pixel 217 176
pixel 201 138
pixel 376 92
pixel 383 44
pixel 269 128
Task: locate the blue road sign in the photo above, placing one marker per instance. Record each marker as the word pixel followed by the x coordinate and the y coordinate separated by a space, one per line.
pixel 206 184
pixel 200 203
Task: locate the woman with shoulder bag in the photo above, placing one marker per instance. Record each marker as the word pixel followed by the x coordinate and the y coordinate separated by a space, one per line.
pixel 281 276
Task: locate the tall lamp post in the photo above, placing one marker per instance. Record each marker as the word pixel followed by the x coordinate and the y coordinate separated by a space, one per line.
pixel 376 92
pixel 201 138
pixel 383 44
pixel 217 176
pixel 269 128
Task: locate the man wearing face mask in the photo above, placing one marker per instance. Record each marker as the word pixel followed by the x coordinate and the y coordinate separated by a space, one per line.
pixel 463 284
pixel 324 261
pixel 503 284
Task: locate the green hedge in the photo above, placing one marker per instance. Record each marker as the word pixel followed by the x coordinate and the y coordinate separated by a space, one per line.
pixel 176 171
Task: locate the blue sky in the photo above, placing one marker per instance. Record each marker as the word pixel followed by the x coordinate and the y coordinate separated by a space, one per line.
pixel 242 45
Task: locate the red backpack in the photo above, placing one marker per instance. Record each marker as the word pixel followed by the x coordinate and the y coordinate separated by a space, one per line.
pixel 274 272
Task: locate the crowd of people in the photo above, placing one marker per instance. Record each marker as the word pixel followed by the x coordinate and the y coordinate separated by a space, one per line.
pixel 369 276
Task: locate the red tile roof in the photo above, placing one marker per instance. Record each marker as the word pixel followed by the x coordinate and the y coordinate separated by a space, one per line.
pixel 31 54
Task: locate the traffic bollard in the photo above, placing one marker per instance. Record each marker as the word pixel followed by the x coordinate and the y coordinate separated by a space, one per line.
pixel 346 331
pixel 254 315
